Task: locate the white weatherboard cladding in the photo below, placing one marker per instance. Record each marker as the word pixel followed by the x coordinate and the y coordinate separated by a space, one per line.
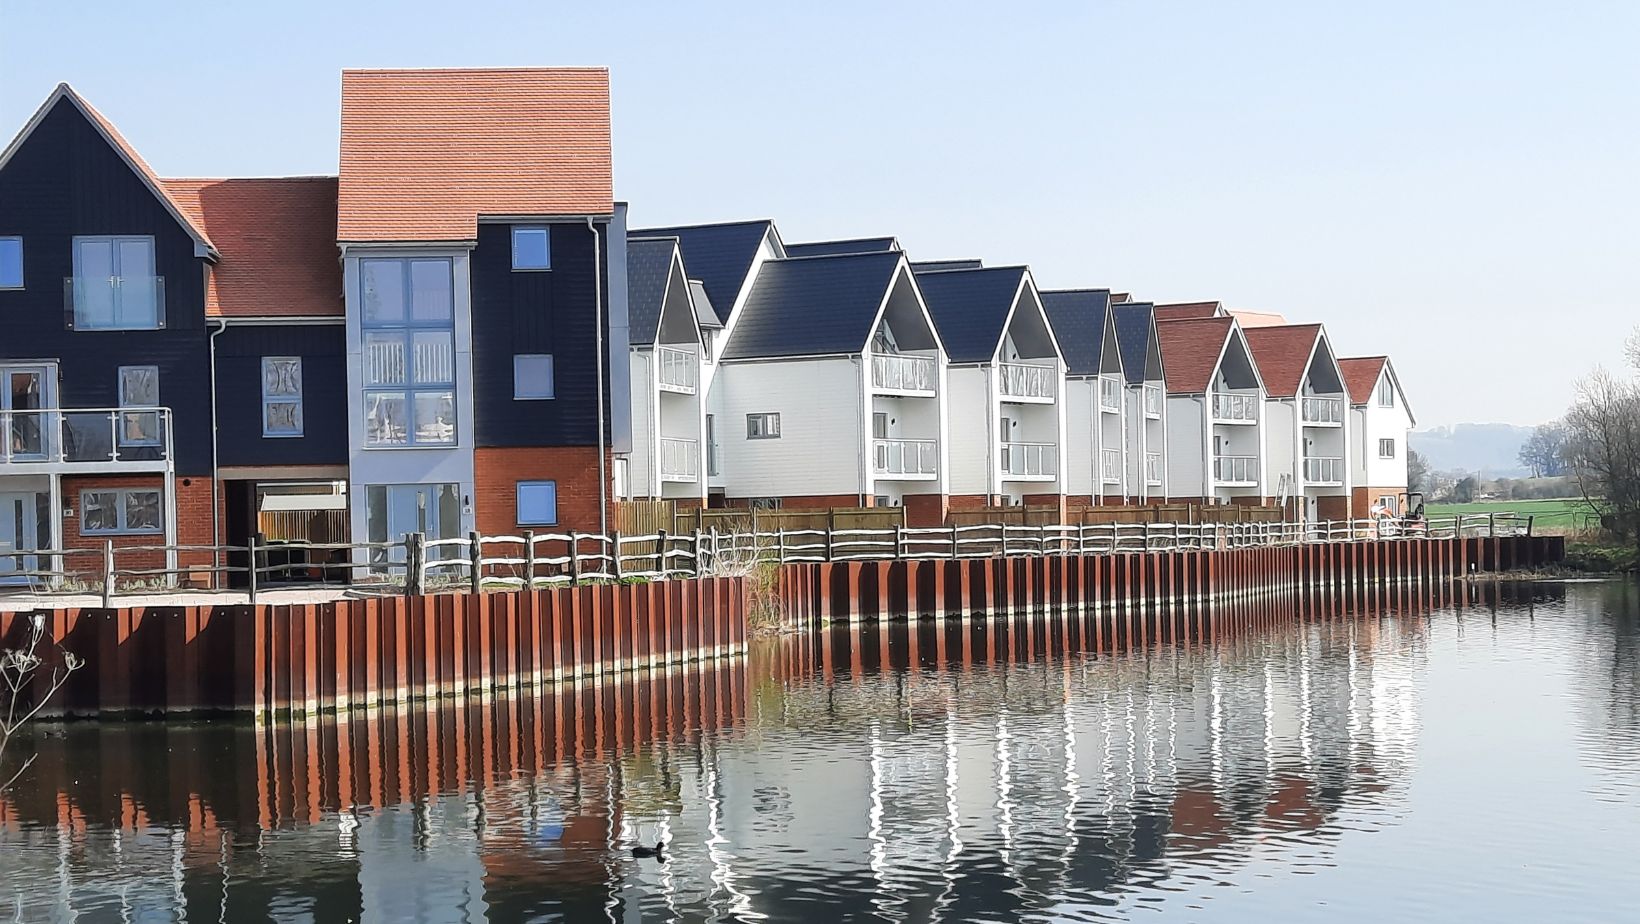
pixel 443 465
pixel 973 411
pixel 1081 437
pixel 820 449
pixel 1278 424
pixel 645 406
pixel 1383 423
pixel 1186 455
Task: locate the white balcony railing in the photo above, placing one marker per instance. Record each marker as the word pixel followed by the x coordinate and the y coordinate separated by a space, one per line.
pixel 1153 468
pixel 678 369
pixel 1153 400
pixel 87 439
pixel 1030 460
pixel 1110 465
pixel 1110 396
pixel 897 457
pixel 1237 408
pixel 1235 469
pixel 898 372
pixel 1323 410
pixel 680 459
pixel 1323 470
pixel 1024 380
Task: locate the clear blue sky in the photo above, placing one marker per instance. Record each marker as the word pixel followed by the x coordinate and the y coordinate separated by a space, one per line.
pixel 1456 186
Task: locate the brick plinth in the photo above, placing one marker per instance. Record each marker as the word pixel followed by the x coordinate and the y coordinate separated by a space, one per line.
pixel 497 471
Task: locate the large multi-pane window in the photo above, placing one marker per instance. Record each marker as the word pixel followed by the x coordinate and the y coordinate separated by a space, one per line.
pixel 392 510
pixel 139 387
pixel 408 327
pixel 104 513
pixel 114 286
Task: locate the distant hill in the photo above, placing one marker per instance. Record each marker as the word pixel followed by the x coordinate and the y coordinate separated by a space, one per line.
pixel 1488 448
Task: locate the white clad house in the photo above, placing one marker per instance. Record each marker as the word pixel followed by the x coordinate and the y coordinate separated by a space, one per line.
pixel 1215 398
pixel 1097 468
pixel 1006 382
pixel 1305 437
pixel 1378 421
pixel 667 333
pixel 1145 403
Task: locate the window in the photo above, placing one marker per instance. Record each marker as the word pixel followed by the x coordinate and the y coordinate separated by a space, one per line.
pixel 531 248
pixel 281 396
pixel 1386 392
pixel 711 446
pixel 392 510
pixel 106 513
pixel 881 500
pixel 1387 501
pixel 532 376
pixel 114 286
pixel 706 346
pixel 139 387
pixel 1386 449
pixel 538 503
pixel 763 426
pixel 409 352
pixel 11 263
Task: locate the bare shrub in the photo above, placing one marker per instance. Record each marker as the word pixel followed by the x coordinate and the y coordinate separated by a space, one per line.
pixel 20 670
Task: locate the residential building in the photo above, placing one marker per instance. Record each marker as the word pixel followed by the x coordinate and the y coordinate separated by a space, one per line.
pixel 1189 311
pixel 668 316
pixel 1379 420
pixel 1215 439
pixel 1144 411
pixel 1006 383
pixel 1097 468
pixel 484 267
pixel 1306 442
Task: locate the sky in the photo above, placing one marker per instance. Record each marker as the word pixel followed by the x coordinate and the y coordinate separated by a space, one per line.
pixel 1451 183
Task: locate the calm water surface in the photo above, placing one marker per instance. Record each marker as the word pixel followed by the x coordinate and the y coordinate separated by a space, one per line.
pixel 1463 764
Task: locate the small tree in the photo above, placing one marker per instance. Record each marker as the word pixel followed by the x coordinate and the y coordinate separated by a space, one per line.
pixel 1603 447
pixel 20 670
pixel 1544 452
pixel 1464 491
pixel 1417 471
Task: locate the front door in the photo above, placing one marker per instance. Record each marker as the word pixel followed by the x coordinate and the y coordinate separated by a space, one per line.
pixel 22 394
pixel 19 521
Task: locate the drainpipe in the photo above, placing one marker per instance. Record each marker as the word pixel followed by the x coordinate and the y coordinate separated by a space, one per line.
pixel 216 484
pixel 603 439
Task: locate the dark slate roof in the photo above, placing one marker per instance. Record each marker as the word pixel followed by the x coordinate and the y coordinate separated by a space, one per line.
pixel 648 262
pixel 1133 326
pixel 1078 319
pixel 832 248
pixel 719 256
pixel 814 306
pixel 931 265
pixel 705 314
pixel 970 308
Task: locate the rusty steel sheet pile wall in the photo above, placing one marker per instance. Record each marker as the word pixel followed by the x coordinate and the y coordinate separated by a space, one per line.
pixel 363 653
pixel 1140 590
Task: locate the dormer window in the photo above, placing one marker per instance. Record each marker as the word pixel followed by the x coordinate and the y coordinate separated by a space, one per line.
pixel 531 248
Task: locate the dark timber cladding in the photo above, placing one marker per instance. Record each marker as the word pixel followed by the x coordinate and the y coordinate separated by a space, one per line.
pixel 239 353
pixel 549 312
pixel 65 180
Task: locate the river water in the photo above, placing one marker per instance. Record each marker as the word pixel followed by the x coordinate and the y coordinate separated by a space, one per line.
pixel 1479 763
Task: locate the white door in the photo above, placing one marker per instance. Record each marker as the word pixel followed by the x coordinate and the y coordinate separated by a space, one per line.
pixel 18 533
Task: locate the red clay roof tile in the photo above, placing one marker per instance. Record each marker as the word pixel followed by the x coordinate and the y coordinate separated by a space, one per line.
pixel 1361 376
pixel 1191 350
pixel 1187 311
pixel 426 152
pixel 1282 353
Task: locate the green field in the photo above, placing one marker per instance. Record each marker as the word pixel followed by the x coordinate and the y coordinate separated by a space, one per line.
pixel 1556 514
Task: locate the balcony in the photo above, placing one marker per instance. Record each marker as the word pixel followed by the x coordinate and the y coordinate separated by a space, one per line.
pixel 1030 461
pixel 680 460
pixel 1236 409
pixel 1235 470
pixel 114 302
pixel 1110 466
pixel 1026 382
pixel 902 374
pixel 677 369
pixel 1323 412
pixel 86 440
pixel 1323 470
pixel 908 459
pixel 1153 401
pixel 1153 468
pixel 1110 396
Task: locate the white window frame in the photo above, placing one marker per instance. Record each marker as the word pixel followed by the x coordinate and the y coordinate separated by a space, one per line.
pixel 546 232
pixel 764 425
pixel 268 400
pixel 518 501
pixel 20 280
pixel 125 441
pixel 552 378
pixel 1386 392
pixel 407 328
pixel 121 512
pixel 706 345
pixel 1388 442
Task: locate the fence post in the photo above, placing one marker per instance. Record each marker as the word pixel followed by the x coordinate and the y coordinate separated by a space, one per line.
pixel 574 558
pixel 660 553
pixel 415 555
pixel 899 541
pixel 108 574
pixel 1491 526
pixel 250 547
pixel 700 563
pixel 954 541
pixel 714 552
pixel 529 559
pixel 1529 520
pixel 827 540
pixel 615 554
pixel 475 553
pixel 779 544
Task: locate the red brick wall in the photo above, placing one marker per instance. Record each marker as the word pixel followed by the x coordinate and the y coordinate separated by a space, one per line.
pixel 497 471
pixel 193 527
pixel 924 510
pixel 1362 499
pixel 1332 508
pixel 968 501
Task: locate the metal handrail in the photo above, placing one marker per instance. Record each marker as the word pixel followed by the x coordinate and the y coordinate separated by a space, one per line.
pixel 680 458
pixel 1029 459
pixel 1228 406
pixel 902 372
pixel 1235 469
pixel 85 435
pixel 1322 410
pixel 904 456
pixel 677 368
pixel 1026 380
